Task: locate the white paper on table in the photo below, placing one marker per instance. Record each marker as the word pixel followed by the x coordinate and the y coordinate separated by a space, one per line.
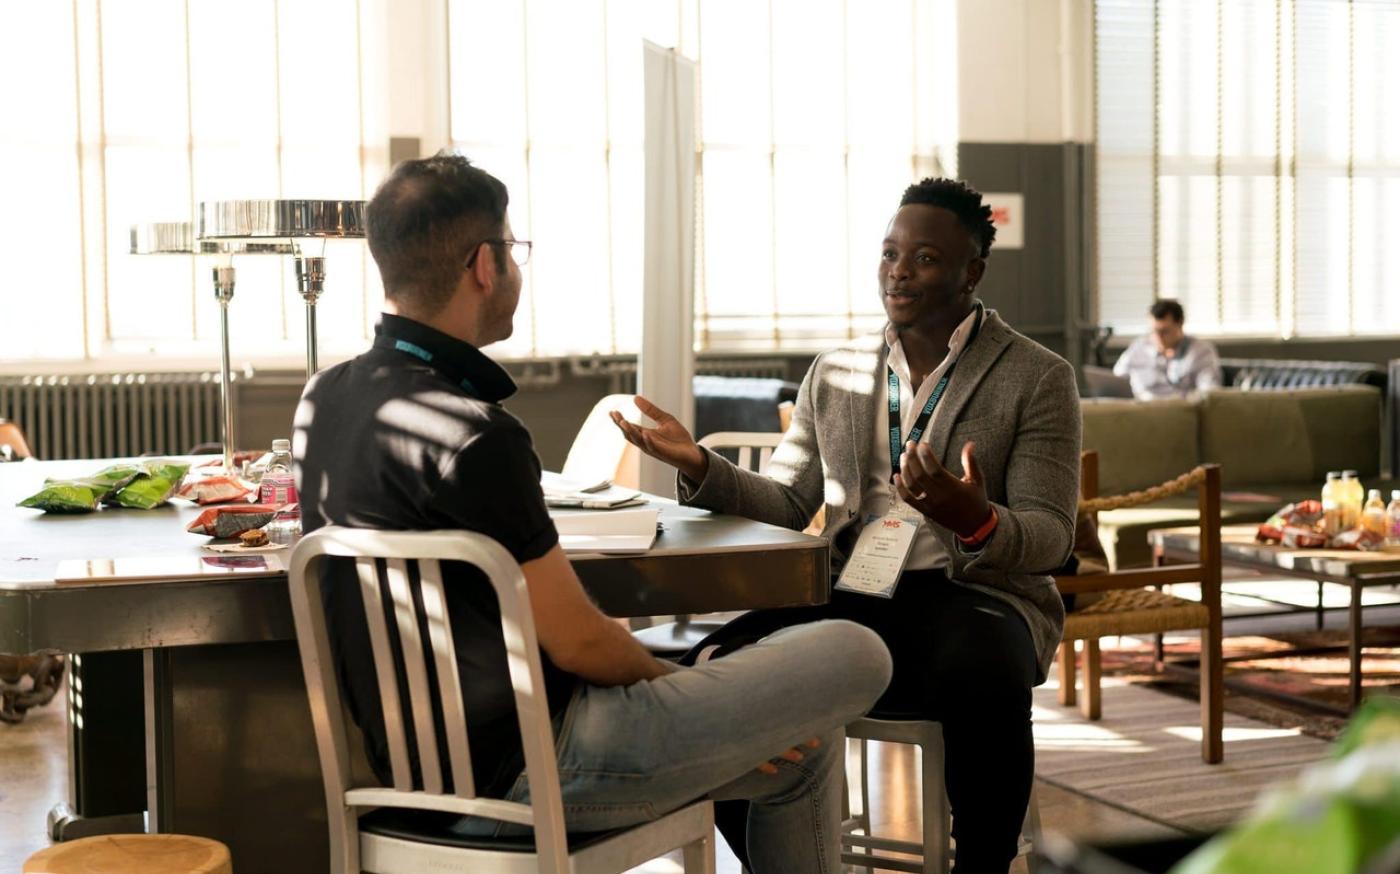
pixel 632 529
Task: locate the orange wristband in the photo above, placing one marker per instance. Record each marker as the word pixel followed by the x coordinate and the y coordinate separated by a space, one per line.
pixel 982 533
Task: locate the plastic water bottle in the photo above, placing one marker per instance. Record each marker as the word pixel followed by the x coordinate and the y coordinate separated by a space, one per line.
pixel 1373 516
pixel 278 487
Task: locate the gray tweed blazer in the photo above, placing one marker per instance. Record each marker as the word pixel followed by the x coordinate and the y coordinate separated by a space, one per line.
pixel 1014 397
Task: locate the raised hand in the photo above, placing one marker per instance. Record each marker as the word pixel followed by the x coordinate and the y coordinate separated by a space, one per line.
pixel 669 441
pixel 958 504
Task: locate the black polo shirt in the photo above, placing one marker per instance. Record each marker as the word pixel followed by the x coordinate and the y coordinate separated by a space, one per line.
pixel 410 436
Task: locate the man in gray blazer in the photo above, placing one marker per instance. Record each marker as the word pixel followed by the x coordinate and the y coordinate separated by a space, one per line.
pixel 945 453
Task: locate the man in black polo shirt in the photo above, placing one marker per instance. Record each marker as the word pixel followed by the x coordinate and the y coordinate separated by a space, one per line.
pixel 411 436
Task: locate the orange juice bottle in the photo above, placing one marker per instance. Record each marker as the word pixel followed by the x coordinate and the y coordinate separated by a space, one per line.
pixel 1353 498
pixel 1332 504
pixel 1373 515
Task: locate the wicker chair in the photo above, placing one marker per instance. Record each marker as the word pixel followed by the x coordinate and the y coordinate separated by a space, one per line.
pixel 1131 602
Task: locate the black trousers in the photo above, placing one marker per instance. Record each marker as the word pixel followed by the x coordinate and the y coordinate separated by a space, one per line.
pixel 961 657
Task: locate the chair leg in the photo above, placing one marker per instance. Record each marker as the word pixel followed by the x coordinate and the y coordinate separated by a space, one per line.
pixel 698 857
pixel 936 816
pixel 1092 705
pixel 1212 697
pixel 1067 658
pixel 1321 614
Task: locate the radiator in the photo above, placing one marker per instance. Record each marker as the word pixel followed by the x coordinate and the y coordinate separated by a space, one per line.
pixel 625 379
pixel 107 415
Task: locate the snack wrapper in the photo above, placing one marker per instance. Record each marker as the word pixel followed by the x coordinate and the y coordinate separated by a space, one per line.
pixel 233 519
pixel 66 496
pixel 214 490
pixel 1359 539
pixel 153 486
pixel 1296 525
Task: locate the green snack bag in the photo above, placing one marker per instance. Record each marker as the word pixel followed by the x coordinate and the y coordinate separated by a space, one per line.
pixel 70 496
pixel 152 487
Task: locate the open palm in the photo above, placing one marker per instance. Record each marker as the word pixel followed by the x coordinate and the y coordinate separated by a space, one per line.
pixel 669 441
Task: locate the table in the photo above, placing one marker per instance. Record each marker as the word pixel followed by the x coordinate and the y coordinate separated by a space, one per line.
pixel 1238 548
pixel 228 746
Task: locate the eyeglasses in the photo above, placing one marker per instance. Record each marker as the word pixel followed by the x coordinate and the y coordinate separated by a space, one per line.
pixel 519 250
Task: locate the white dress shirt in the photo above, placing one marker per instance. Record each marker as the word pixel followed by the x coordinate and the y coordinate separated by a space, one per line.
pixel 1194 367
pixel 927 552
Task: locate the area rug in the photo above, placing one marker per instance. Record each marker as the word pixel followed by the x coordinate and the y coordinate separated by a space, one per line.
pixel 1144 756
pixel 1321 678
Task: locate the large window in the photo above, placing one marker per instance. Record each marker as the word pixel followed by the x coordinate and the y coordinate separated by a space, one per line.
pixel 118 112
pixel 1249 164
pixel 814 116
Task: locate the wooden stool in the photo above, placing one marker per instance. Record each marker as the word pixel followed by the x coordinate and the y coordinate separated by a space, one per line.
pixel 132 854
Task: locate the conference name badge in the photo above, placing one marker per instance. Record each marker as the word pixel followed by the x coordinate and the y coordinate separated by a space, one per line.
pixel 879 555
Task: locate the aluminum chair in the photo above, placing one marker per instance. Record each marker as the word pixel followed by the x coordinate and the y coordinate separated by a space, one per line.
pixel 935 852
pixel 390 565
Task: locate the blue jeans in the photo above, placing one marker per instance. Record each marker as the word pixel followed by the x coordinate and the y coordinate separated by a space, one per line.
pixel 629 754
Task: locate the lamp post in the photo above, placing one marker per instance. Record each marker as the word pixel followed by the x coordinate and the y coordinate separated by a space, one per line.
pixel 292 220
pixel 177 238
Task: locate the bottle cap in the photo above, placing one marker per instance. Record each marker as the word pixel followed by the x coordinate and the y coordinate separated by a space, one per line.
pixel 1395 494
pixel 1348 474
pixel 282 445
pixel 1333 474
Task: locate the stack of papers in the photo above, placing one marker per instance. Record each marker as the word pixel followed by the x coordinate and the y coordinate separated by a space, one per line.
pixel 566 493
pixel 632 529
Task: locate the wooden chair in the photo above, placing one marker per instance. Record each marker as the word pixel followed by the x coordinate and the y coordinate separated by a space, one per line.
pixel 13 446
pixel 132 854
pixel 1132 602
pixel 383 842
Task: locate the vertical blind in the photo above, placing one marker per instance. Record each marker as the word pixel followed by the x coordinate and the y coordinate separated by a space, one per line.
pixel 1249 164
pixel 814 115
pixel 121 112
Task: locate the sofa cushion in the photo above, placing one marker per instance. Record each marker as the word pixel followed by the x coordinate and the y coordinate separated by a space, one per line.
pixel 1140 443
pixel 1292 436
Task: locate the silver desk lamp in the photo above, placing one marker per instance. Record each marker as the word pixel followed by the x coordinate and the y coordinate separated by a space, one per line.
pixel 292 220
pixel 177 238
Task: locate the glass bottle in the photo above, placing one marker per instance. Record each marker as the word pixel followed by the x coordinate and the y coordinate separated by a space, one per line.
pixel 1332 504
pixel 1392 519
pixel 1353 497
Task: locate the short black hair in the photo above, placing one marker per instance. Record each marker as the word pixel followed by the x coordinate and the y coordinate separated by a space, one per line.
pixel 424 219
pixel 1168 307
pixel 963 201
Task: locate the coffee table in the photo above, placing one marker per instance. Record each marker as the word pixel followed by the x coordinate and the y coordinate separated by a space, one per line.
pixel 1239 549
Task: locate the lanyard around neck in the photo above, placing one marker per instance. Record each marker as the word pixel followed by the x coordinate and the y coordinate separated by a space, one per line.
pixel 922 420
pixel 437 362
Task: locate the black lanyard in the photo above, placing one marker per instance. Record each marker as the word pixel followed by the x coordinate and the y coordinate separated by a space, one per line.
pixel 456 374
pixel 920 423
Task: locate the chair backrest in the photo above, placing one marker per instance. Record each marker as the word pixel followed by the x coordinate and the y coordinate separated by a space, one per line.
pixel 754 448
pixel 387 564
pixel 599 450
pixel 13 446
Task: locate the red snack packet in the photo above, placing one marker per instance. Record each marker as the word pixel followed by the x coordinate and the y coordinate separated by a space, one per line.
pixel 1303 538
pixel 233 519
pixel 1359 539
pixel 213 490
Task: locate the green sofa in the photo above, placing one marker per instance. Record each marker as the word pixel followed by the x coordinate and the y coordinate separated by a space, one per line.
pixel 1275 443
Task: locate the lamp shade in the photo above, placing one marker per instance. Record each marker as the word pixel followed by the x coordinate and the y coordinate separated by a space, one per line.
pixel 280 219
pixel 177 238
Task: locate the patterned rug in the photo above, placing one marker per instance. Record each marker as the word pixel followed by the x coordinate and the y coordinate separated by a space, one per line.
pixel 1321 678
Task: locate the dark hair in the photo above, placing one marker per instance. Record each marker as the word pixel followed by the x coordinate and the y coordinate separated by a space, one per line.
pixel 424 219
pixel 963 201
pixel 1167 307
